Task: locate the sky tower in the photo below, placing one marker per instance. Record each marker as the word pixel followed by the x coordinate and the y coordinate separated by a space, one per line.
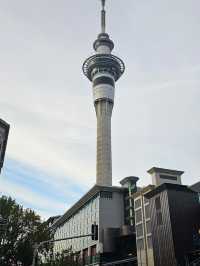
pixel 103 69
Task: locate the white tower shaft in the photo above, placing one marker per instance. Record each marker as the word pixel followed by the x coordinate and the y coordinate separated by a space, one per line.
pixel 103 69
pixel 104 154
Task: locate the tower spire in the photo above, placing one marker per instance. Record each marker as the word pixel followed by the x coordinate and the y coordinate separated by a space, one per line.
pixel 103 17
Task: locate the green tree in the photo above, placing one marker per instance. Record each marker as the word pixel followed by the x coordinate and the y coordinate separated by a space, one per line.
pixel 63 259
pixel 24 229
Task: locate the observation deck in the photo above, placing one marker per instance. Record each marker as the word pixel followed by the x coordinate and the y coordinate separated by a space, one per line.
pixel 104 63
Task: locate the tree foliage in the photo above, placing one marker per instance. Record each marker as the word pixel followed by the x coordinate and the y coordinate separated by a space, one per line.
pixel 64 259
pixel 23 230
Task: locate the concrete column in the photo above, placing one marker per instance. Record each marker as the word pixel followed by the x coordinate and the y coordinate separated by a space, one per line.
pixel 104 155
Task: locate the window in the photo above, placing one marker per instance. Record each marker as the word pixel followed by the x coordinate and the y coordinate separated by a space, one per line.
pixel 159 218
pixel 146 200
pixel 106 194
pixel 149 242
pixel 93 250
pixel 148 227
pixel 147 211
pixel 140 244
pixel 158 211
pixel 138 216
pixel 157 203
pixel 169 177
pixel 137 203
pixel 139 230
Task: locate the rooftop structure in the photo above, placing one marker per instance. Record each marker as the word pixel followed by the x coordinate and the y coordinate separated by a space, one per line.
pixel 196 187
pixel 163 175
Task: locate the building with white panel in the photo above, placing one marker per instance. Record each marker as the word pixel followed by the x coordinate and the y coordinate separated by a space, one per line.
pixel 103 206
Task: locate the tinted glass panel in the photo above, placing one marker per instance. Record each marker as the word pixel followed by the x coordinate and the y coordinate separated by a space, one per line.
pixel 149 242
pixel 170 177
pixel 138 215
pixel 139 230
pixel 147 211
pixel 103 80
pixel 148 226
pixel 159 218
pixel 146 200
pixel 137 203
pixel 157 203
pixel 140 244
pixel 106 194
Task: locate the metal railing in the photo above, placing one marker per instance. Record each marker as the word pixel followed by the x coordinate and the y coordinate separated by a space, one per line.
pixel 118 262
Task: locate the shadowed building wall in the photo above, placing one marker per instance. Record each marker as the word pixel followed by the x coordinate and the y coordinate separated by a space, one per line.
pixel 4 131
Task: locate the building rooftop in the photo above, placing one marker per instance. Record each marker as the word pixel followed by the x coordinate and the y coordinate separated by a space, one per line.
pixel 164 171
pixel 92 193
pixel 4 123
pixel 196 187
pixel 168 186
pixel 127 179
pixel 143 190
pixel 52 219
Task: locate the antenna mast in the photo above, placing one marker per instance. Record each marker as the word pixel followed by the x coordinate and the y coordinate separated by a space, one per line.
pixel 103 17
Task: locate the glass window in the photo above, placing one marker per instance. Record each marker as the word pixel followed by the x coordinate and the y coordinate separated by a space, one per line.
pixel 140 244
pixel 138 215
pixel 149 242
pixel 139 230
pixel 147 211
pixel 137 203
pixel 169 177
pixel 159 218
pixel 146 200
pixel 106 194
pixel 157 203
pixel 148 227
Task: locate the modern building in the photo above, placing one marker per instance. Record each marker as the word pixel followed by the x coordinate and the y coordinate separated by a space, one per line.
pixel 4 131
pixel 167 217
pixel 105 206
pixel 174 221
pixel 196 188
pixel 161 175
pixel 131 184
pixel 143 227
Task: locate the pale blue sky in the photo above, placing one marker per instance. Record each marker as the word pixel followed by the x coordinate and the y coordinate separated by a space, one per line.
pixel 50 159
